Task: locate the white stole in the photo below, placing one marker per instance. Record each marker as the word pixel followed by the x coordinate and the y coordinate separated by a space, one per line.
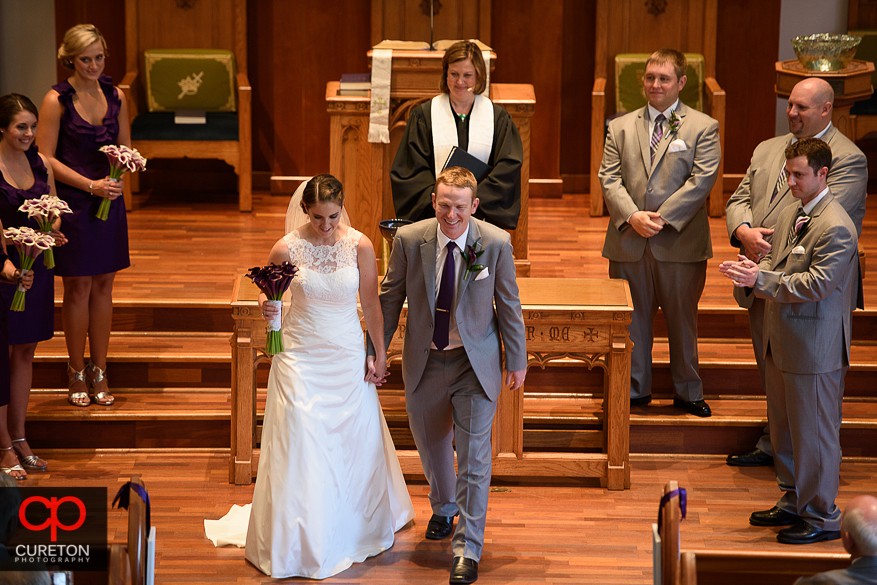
pixel 444 129
pixel 379 109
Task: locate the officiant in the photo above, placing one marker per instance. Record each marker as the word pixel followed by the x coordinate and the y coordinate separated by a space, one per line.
pixel 460 116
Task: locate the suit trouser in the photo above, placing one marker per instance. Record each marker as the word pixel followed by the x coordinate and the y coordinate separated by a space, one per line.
pixel 804 414
pixel 449 405
pixel 756 328
pixel 675 287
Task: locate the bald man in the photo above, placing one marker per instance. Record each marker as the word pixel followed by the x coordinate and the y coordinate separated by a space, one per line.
pixel 753 209
pixel 859 535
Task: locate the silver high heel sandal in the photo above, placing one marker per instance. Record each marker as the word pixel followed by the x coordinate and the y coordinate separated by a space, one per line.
pixel 80 397
pixel 104 398
pixel 29 462
pixel 16 467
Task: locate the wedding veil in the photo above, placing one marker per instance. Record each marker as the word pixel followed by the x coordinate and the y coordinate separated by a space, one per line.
pixel 295 215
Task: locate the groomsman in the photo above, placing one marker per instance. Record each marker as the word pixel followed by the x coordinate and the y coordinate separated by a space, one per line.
pixel 659 165
pixel 753 209
pixel 805 279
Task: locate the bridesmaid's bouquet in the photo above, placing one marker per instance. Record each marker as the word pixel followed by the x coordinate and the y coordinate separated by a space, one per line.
pixel 45 211
pixel 122 160
pixel 29 243
pixel 273 280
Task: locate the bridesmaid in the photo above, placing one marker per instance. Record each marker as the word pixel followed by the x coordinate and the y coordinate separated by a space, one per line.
pixel 11 275
pixel 24 174
pixel 79 115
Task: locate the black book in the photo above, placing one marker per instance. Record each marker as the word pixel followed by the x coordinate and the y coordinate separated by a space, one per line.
pixel 461 158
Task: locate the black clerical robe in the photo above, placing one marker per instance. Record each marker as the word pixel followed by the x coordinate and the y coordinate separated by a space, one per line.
pixel 413 173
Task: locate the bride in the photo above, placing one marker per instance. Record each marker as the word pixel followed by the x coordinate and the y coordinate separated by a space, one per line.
pixel 329 490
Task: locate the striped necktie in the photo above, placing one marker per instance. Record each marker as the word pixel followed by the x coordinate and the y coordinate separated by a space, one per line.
pixel 657 134
pixel 781 184
pixel 793 233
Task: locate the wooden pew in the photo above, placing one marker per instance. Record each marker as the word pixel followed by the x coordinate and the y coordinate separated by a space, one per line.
pixel 127 565
pixel 731 567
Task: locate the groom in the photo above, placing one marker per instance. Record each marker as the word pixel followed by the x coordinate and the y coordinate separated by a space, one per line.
pixel 453 270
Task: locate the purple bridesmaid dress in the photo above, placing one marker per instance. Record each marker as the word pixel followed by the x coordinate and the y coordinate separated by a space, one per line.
pixel 36 322
pixel 95 246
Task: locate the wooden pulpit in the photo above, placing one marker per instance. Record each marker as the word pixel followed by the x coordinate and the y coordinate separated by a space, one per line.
pixel 364 167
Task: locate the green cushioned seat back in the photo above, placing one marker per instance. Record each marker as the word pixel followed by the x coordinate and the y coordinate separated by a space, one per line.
pixel 190 79
pixel 867 50
pixel 629 71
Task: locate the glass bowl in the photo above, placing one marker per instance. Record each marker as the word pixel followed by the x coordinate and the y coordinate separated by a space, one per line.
pixel 825 52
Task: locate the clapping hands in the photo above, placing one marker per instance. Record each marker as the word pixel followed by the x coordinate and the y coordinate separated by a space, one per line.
pixel 743 273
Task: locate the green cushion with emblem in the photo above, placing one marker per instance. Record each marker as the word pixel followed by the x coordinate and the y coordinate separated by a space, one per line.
pixel 190 79
pixel 629 71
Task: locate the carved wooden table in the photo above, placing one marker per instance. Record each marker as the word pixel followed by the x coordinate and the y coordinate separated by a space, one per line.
pixel 566 319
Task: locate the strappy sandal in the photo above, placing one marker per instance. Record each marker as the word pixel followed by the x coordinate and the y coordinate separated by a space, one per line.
pixel 95 377
pixel 80 397
pixel 29 461
pixel 17 467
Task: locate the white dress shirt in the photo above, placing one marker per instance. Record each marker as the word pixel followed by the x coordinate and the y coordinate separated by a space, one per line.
pixel 454 340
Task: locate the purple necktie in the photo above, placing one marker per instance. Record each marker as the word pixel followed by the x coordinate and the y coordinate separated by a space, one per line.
pixel 657 134
pixel 444 300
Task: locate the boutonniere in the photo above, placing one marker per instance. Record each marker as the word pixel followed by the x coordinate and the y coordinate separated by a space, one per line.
pixel 470 256
pixel 675 121
pixel 801 225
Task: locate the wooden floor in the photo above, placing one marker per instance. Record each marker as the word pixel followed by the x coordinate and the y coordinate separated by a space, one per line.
pixel 535 533
pixel 189 249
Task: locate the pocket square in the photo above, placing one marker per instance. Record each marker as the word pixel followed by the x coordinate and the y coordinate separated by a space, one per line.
pixel 798 250
pixel 483 274
pixel 677 145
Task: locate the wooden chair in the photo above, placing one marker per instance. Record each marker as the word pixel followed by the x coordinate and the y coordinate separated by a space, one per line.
pixel 166 24
pixel 634 26
pixel 732 567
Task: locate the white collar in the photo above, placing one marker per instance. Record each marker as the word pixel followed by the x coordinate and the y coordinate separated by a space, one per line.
pixel 809 207
pixel 653 112
pixel 461 241
pixel 820 135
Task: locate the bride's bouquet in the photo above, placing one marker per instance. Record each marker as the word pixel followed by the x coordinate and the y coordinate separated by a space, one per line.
pixel 29 243
pixel 122 159
pixel 45 211
pixel 273 280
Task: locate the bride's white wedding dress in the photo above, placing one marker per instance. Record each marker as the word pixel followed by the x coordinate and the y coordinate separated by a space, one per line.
pixel 329 489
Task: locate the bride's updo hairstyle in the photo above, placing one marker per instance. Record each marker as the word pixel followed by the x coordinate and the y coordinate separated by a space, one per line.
pixel 322 189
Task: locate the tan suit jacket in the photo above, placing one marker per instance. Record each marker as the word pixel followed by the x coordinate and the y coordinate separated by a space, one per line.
pixel 483 329
pixel 676 186
pixel 807 330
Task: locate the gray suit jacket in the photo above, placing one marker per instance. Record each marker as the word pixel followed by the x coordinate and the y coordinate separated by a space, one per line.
pixel 750 203
pixel 676 186
pixel 807 329
pixel 488 311
pixel 863 571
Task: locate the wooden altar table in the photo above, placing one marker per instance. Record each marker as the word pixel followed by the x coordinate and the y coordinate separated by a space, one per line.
pixel 569 319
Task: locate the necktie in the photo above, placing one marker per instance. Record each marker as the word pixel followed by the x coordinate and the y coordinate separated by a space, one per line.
pixel 781 184
pixel 444 300
pixel 657 134
pixel 793 235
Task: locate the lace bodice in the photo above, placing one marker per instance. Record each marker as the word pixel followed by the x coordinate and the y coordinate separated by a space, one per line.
pixel 323 304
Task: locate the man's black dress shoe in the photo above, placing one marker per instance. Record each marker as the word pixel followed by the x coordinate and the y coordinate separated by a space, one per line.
pixel 754 458
pixel 464 570
pixel 773 517
pixel 439 527
pixel 641 401
pixel 804 533
pixel 697 407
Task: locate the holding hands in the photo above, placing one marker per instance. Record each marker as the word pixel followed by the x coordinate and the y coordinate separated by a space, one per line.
pixel 754 244
pixel 743 273
pixel 646 223
pixel 376 370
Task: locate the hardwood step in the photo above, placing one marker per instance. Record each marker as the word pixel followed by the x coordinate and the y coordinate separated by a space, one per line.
pixel 166 315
